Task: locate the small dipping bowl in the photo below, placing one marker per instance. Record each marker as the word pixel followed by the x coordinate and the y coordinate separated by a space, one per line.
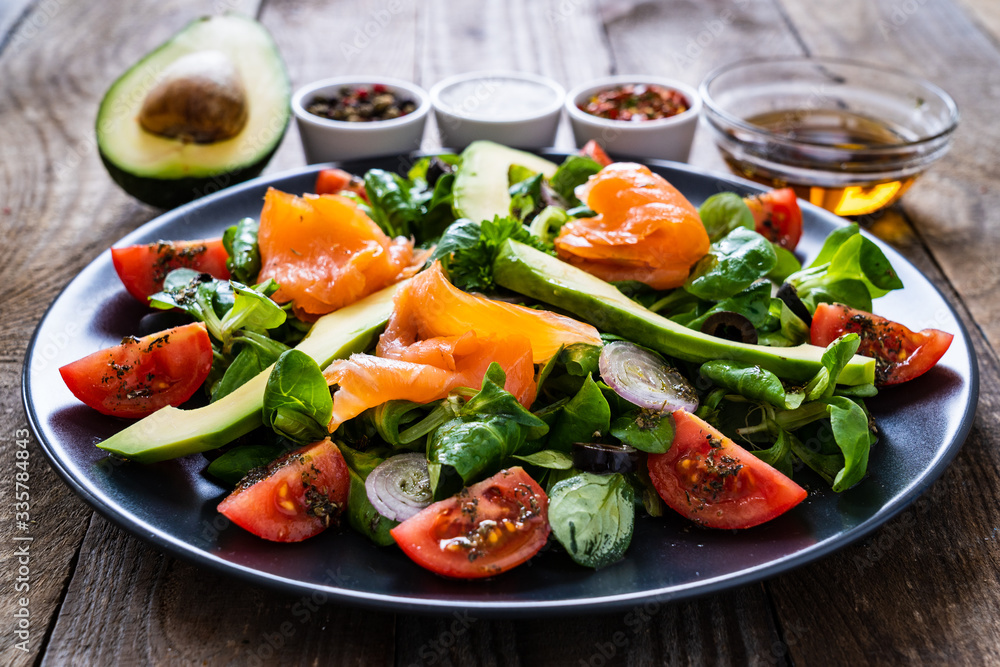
pixel 662 138
pixel 327 140
pixel 847 136
pixel 511 108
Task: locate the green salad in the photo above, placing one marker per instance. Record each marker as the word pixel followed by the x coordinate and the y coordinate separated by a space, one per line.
pixel 569 345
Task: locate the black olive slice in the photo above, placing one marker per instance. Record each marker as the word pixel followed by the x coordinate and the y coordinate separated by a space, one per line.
pixel 600 458
pixel 790 296
pixel 436 169
pixel 161 320
pixel 731 326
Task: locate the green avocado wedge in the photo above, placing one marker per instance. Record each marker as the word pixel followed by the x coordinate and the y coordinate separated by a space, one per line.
pixel 172 432
pixel 480 190
pixel 550 280
pixel 166 170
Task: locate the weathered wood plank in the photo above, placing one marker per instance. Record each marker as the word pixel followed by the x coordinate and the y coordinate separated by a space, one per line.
pixel 719 630
pixel 954 207
pixel 986 13
pixel 130 605
pixel 60 209
pixel 318 42
pixel 36 570
pixel 562 40
pixel 17 25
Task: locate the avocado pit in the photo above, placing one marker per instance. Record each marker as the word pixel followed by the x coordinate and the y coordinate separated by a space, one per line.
pixel 199 98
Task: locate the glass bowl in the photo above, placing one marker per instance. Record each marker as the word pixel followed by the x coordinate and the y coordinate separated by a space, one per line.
pixel 847 136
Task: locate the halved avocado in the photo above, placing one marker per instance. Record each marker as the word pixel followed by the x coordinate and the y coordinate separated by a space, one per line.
pixel 204 111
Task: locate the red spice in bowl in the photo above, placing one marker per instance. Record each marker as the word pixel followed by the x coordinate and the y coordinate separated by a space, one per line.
pixel 636 102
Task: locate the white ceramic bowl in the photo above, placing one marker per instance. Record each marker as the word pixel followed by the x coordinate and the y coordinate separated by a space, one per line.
pixel 326 140
pixel 511 108
pixel 664 138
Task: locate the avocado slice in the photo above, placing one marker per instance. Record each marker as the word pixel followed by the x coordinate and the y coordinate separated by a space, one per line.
pixel 224 77
pixel 172 432
pixel 480 191
pixel 540 276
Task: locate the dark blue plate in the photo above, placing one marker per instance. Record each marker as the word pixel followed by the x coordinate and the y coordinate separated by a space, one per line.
pixel 172 504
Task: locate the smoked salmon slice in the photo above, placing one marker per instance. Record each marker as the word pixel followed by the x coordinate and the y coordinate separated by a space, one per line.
pixel 645 230
pixel 430 307
pixel 325 252
pixel 364 381
pixel 469 355
pixel 439 338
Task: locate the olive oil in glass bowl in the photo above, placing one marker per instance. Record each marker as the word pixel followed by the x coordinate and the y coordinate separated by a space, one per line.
pixel 845 136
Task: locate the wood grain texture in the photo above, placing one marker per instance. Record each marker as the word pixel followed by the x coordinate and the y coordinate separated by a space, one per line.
pixel 130 605
pixel 560 39
pixel 731 629
pixel 59 210
pixel 986 14
pixel 17 24
pixel 318 41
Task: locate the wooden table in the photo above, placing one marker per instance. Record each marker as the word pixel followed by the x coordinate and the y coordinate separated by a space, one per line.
pixel 922 589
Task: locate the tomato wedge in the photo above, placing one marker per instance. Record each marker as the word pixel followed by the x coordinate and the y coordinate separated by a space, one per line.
pixel 484 530
pixel 777 216
pixel 335 181
pixel 142 375
pixel 294 497
pixel 711 480
pixel 593 150
pixel 900 354
pixel 142 268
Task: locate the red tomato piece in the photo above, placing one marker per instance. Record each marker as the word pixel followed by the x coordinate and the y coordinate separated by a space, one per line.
pixel 900 354
pixel 711 480
pixel 142 375
pixel 777 216
pixel 142 268
pixel 294 497
pixel 593 150
pixel 335 181
pixel 484 530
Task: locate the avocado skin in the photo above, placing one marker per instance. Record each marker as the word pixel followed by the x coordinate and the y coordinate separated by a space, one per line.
pixel 171 193
pixel 533 273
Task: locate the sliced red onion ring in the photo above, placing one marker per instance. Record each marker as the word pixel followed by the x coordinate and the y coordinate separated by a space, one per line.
pixel 643 378
pixel 400 486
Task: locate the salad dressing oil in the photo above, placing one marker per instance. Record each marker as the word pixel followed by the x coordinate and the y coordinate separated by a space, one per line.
pixel 825 129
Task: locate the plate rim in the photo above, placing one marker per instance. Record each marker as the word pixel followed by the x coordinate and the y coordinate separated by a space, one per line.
pixel 175 546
